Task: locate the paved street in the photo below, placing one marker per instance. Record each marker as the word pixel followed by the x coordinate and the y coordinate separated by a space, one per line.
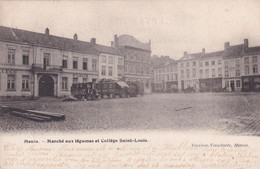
pixel 229 113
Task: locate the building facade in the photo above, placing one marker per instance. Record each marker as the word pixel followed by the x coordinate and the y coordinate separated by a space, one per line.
pixel 111 62
pixel 166 77
pixel 34 64
pixel 137 59
pixel 188 71
pixel 250 69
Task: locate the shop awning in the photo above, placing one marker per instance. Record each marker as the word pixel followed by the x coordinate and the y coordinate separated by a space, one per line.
pixel 122 84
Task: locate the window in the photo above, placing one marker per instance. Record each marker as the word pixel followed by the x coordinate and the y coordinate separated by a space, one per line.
pixel 103 59
pixel 171 68
pixel 187 73
pixel 238 72
pixel 85 80
pixel 207 73
pixel 46 59
pixel 193 63
pixel 219 62
pixel 120 61
pixel 213 74
pixel 207 63
pixel 182 73
pixel 75 80
pixel 226 74
pixel 246 60
pixel 167 77
pixel 219 72
pixel 226 63
pixel 94 64
pixel 25 82
pixel 226 83
pixel 193 72
pixel 176 76
pixel 64 83
pixel 103 72
pixel 201 64
pixel 85 63
pixel 110 71
pixel 182 65
pixel 254 59
pixel 25 57
pixel 11 56
pixel 188 64
pixel 238 83
pixel 167 69
pixel 255 69
pixel 94 80
pixel 237 64
pixel 65 62
pixel 201 73
pixel 247 70
pixel 110 59
pixel 171 77
pixel 75 63
pixel 11 82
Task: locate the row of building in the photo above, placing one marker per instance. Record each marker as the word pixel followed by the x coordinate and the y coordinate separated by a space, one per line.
pixel 235 68
pixel 40 64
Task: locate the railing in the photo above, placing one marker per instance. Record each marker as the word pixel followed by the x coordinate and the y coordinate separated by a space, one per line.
pixel 49 68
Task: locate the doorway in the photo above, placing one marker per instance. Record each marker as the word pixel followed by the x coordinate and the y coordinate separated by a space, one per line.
pixel 46 86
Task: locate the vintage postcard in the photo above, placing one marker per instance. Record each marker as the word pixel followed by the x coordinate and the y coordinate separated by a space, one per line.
pixel 130 84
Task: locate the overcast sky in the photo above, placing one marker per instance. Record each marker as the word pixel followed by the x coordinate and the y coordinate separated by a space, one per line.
pixel 172 26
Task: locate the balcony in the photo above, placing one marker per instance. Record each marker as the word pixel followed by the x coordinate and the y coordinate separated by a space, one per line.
pixel 41 68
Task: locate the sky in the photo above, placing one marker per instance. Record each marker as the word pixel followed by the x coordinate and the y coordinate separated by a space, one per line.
pixel 172 26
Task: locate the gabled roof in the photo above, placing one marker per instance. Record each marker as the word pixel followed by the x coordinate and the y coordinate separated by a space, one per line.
pixel 128 40
pixel 253 50
pixel 13 35
pixel 234 51
pixel 213 54
pixel 107 50
pixel 191 56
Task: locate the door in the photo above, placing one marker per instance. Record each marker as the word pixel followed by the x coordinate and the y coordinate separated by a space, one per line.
pixel 232 85
pixel 182 85
pixel 46 86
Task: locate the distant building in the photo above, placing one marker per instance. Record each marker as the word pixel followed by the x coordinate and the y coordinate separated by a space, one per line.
pixel 165 75
pixel 188 70
pixel 35 64
pixel 210 72
pixel 250 65
pixel 111 62
pixel 137 59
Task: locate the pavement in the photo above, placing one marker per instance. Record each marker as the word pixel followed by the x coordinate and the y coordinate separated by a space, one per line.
pixel 224 113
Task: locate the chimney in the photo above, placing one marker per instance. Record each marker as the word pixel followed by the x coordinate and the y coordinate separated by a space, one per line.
pixel 203 50
pixel 149 42
pixel 93 41
pixel 184 54
pixel 112 44
pixel 226 45
pixel 47 32
pixel 245 45
pixel 115 40
pixel 75 37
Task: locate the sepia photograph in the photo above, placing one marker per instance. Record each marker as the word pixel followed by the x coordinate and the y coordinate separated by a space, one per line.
pixel 130 84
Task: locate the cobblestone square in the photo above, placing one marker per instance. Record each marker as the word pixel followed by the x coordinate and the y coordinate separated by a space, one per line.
pixel 224 113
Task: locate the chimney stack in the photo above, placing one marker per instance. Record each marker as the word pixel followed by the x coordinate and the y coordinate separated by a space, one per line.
pixel 226 45
pixel 93 41
pixel 185 53
pixel 75 37
pixel 115 41
pixel 245 45
pixel 112 44
pixel 149 42
pixel 203 50
pixel 47 32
